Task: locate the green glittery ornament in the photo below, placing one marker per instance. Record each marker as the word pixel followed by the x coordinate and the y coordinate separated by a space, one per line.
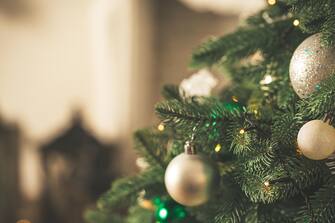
pixel 233 106
pixel 168 211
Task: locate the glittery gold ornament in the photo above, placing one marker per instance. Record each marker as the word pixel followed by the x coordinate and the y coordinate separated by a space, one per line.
pixel 190 178
pixel 316 140
pixel 310 64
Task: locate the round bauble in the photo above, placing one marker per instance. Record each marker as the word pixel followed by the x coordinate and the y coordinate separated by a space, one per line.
pixel 316 140
pixel 190 179
pixel 310 64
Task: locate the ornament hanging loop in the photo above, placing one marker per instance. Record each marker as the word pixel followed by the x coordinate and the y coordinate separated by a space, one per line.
pixel 189 145
pixel 328 118
pixel 190 148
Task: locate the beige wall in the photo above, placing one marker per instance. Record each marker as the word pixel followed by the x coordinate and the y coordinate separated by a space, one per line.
pixel 109 58
pixel 45 65
pixel 63 55
pixel 179 30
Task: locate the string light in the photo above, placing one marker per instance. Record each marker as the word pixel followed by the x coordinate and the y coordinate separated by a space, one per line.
pixel 242 131
pixel 272 2
pixel 234 98
pixel 161 127
pixel 217 148
pixel 163 213
pixel 296 22
pixel 267 79
pixel 266 187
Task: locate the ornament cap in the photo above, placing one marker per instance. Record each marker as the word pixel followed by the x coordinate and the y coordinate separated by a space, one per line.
pixel 190 148
pixel 328 118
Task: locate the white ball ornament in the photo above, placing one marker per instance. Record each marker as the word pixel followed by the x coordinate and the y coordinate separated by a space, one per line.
pixel 316 140
pixel 190 178
pixel 199 84
pixel 310 64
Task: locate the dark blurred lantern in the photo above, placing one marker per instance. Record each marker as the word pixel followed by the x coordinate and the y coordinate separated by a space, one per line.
pixel 9 172
pixel 78 169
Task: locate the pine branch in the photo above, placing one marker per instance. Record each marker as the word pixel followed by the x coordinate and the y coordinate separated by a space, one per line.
pixel 270 13
pixel 260 213
pixel 139 215
pixel 315 16
pixel 229 205
pixel 321 102
pixel 285 128
pixel 126 189
pixel 98 216
pixel 241 44
pixel 322 205
pixel 152 146
pixel 171 92
pixel 190 116
pixel 289 174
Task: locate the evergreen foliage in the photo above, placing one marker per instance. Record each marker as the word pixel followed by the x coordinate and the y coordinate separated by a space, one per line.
pixel 263 177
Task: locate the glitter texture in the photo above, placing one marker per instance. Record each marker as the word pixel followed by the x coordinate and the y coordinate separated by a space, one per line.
pixel 310 64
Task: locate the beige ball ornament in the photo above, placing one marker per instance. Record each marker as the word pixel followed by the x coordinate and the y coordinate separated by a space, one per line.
pixel 310 64
pixel 316 140
pixel 190 178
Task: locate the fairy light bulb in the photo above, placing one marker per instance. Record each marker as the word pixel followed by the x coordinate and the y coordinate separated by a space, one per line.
pixel 242 131
pixel 296 22
pixel 272 2
pixel 163 213
pixel 161 127
pixel 217 148
pixel 234 98
pixel 267 79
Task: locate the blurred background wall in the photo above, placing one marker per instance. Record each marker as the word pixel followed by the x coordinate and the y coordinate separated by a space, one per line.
pixel 105 59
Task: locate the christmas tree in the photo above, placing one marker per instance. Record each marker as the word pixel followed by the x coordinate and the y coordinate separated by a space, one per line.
pixel 258 151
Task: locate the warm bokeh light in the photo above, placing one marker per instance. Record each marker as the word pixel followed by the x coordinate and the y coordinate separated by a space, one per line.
pixel 161 127
pixel 296 22
pixel 147 204
pixel 267 79
pixel 272 2
pixel 217 148
pixel 234 98
pixel 23 221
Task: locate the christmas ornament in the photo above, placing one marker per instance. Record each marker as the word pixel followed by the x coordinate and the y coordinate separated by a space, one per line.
pixel 199 84
pixel 190 178
pixel 233 106
pixel 316 140
pixel 310 64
